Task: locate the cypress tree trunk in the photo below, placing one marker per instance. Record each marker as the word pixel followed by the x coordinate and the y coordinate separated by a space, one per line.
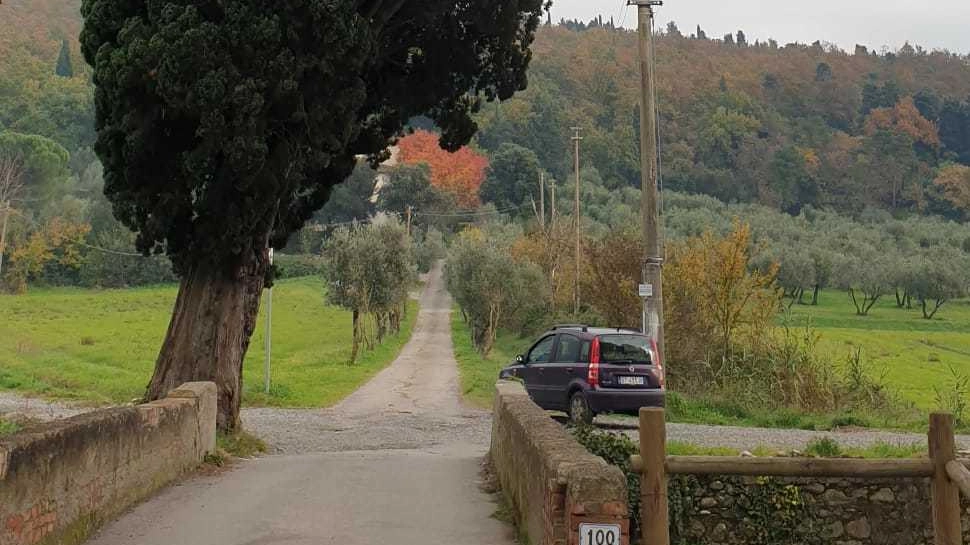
pixel 214 317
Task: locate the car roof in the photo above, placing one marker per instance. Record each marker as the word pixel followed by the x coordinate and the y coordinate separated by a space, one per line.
pixel 591 331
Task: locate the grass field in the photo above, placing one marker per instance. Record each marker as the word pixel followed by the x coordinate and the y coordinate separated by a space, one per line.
pixel 908 354
pixel 912 355
pixel 478 374
pixel 100 347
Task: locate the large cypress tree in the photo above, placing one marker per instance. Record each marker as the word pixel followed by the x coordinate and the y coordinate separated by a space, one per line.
pixel 223 126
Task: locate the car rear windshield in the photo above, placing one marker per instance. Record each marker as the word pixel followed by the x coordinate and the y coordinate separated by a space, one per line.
pixel 624 349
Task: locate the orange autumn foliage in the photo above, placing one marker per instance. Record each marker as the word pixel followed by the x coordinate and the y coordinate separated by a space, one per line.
pixel 904 118
pixel 460 174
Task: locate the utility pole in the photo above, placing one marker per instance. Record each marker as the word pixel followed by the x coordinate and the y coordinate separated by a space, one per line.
pixel 652 272
pixel 268 339
pixel 408 211
pixel 576 140
pixel 552 197
pixel 542 200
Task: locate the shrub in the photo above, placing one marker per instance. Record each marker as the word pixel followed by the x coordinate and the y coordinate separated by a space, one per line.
pixel 824 447
pixel 296 266
pixel 616 449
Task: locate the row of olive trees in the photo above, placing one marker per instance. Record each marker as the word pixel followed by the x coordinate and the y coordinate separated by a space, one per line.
pixel 369 270
pixel 922 261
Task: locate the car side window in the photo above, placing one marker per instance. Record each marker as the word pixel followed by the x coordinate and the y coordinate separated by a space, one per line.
pixel 568 349
pixel 542 351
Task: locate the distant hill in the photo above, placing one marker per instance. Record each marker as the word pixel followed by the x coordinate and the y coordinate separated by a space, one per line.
pixel 784 125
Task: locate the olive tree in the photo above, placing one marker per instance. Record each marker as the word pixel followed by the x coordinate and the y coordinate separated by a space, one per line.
pixel 866 278
pixel 937 277
pixel 223 126
pixel 368 270
pixel 491 288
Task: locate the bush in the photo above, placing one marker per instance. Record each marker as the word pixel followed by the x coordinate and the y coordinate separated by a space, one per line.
pixel 616 449
pixel 297 266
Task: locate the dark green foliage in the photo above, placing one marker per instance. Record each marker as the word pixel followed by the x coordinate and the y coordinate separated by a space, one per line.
pixel 512 177
pixel 955 129
pixel 823 72
pixel 221 123
pixel 876 96
pixel 296 266
pixel 351 199
pixel 64 68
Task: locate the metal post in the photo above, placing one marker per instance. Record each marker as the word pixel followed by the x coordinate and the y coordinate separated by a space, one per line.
pixel 652 271
pixel 268 339
pixel 3 232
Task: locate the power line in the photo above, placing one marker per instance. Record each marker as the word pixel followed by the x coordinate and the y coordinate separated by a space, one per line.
pixel 473 214
pixel 113 252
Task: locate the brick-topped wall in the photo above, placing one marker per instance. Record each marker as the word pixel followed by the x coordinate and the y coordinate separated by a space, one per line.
pixel 552 483
pixel 61 480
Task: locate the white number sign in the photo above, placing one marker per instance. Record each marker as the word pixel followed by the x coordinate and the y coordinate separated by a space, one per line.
pixel 599 534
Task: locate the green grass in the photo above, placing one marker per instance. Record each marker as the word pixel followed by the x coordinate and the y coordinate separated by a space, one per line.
pixel 100 346
pixel 911 354
pixel 7 428
pixel 820 448
pixel 908 354
pixel 478 374
pixel 241 444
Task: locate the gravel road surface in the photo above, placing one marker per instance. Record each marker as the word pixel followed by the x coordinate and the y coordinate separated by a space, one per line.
pixel 396 462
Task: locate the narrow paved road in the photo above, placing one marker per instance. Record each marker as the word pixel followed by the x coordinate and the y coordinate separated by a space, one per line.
pixel 396 462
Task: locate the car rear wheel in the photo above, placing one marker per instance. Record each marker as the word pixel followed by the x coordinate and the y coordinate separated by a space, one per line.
pixel 579 411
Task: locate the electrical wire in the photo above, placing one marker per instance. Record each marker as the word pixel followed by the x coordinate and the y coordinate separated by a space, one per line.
pixel 112 252
pixel 473 214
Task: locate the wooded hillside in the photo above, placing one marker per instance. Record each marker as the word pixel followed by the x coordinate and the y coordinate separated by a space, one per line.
pixel 782 125
pixel 786 126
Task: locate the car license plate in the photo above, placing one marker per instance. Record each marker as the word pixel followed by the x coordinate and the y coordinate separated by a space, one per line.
pixel 632 381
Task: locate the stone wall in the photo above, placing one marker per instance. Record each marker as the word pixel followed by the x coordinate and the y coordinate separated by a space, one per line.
pixel 552 483
pixel 743 510
pixel 61 480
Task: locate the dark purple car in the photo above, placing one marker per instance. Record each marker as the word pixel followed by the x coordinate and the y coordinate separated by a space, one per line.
pixel 586 371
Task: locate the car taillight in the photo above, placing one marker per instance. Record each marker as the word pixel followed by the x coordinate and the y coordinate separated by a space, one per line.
pixel 655 358
pixel 593 377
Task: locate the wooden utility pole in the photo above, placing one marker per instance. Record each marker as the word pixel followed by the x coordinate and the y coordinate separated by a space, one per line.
pixel 408 221
pixel 652 271
pixel 552 204
pixel 542 200
pixel 576 140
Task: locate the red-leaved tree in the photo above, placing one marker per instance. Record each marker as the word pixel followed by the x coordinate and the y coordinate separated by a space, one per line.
pixel 460 173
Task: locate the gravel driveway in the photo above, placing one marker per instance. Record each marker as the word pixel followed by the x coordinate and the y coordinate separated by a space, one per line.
pixel 414 403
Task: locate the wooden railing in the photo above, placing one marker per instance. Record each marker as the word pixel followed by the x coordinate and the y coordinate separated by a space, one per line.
pixel 948 475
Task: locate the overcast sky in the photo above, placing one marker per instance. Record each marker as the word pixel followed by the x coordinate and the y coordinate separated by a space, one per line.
pixel 934 24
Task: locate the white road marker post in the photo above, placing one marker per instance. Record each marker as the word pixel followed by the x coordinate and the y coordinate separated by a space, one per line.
pixel 268 338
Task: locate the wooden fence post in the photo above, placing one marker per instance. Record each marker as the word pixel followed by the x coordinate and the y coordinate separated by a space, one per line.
pixel 653 478
pixel 946 495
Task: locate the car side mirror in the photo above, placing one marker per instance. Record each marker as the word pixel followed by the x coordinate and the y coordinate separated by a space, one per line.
pixel 520 359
